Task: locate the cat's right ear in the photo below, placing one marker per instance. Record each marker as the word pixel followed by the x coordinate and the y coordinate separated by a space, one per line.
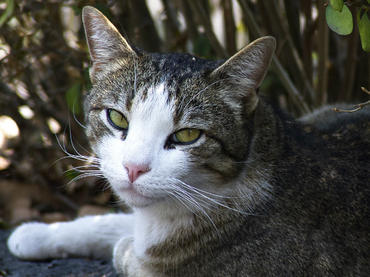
pixel 105 43
pixel 245 71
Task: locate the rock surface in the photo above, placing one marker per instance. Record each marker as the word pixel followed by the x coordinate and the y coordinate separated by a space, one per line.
pixel 12 267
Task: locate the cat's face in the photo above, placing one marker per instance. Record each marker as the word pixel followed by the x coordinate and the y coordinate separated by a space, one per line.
pixel 168 127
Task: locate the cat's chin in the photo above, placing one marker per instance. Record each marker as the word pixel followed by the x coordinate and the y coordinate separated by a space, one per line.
pixel 135 199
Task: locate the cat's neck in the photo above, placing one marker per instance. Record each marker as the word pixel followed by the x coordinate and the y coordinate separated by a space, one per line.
pixel 154 224
pixel 165 240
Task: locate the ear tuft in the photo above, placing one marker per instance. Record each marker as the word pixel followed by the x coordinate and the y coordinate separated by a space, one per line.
pixel 104 41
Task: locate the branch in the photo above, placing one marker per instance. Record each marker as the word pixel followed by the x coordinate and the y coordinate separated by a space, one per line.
pixel 197 8
pixel 355 107
pixel 323 51
pixel 229 26
pixel 351 60
pixel 292 91
pixel 145 32
pixel 296 61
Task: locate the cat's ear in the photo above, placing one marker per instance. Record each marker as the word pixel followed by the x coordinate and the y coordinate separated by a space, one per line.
pixel 105 42
pixel 246 70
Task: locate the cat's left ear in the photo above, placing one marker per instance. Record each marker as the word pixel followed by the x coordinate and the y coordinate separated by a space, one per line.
pixel 246 70
pixel 106 44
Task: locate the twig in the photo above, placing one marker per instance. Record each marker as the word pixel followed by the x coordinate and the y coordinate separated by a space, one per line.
pixel 296 65
pixel 323 51
pixel 365 90
pixel 229 26
pixel 198 9
pixel 351 61
pixel 292 91
pixel 356 107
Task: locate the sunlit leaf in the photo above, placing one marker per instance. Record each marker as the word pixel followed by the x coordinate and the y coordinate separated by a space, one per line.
pixel 364 30
pixel 73 96
pixel 8 12
pixel 339 22
pixel 337 4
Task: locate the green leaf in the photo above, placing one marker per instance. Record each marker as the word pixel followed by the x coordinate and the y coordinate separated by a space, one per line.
pixel 339 22
pixel 337 5
pixel 364 30
pixel 8 12
pixel 73 98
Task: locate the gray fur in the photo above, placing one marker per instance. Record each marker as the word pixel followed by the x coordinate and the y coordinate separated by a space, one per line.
pixel 305 207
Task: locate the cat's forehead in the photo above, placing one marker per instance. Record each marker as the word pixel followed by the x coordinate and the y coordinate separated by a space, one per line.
pixel 180 66
pixel 177 78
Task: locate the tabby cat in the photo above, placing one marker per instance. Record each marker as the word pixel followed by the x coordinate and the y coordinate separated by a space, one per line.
pixel 220 182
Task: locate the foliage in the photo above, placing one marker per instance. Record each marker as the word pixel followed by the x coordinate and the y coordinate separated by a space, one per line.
pixel 340 19
pixel 44 70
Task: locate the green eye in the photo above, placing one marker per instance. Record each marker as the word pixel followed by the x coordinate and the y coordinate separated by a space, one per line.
pixel 186 136
pixel 117 120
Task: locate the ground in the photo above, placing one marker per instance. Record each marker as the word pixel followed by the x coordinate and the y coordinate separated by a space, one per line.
pixel 12 267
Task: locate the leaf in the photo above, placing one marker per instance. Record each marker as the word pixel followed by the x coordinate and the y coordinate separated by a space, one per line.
pixel 73 98
pixel 364 30
pixel 8 12
pixel 339 22
pixel 337 5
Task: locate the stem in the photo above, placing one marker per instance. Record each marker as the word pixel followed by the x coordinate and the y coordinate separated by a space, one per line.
pixel 351 61
pixel 229 26
pixel 201 14
pixel 296 62
pixel 145 32
pixel 292 91
pixel 323 50
pixel 357 107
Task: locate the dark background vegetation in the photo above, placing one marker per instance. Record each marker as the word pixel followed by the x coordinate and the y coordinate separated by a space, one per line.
pixel 44 72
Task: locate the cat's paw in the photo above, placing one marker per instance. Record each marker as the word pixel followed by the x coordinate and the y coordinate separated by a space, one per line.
pixel 30 241
pixel 121 254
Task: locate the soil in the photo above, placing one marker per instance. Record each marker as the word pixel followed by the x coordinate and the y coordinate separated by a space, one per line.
pixel 13 267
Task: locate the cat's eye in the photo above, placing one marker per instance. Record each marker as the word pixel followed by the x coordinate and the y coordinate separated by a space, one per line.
pixel 186 136
pixel 117 120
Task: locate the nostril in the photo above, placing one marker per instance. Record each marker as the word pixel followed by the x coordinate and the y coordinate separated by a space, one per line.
pixel 134 171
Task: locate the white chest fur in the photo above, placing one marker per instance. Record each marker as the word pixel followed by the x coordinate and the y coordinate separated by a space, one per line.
pixel 154 226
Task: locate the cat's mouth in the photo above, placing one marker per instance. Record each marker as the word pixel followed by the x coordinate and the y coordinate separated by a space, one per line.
pixel 135 198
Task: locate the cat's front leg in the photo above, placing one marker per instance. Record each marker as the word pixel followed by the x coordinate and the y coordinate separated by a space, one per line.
pixel 127 263
pixel 90 236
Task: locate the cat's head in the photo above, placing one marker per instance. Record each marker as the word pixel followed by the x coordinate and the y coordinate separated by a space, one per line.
pixel 170 127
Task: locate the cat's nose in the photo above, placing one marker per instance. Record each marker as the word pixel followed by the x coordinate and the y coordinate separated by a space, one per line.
pixel 135 170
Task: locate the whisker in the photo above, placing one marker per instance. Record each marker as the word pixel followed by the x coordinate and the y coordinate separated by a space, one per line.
pixel 206 192
pixel 77 121
pixel 85 175
pixel 185 196
pixel 209 200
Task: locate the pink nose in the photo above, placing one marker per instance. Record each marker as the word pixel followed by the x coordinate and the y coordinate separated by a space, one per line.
pixel 135 170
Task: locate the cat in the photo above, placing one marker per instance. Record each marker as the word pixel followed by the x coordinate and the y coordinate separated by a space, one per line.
pixel 221 183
